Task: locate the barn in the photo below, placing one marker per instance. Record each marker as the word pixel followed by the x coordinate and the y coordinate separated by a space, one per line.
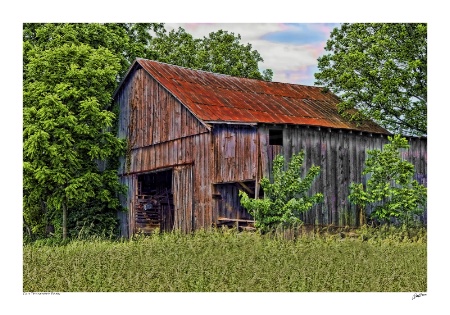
pixel 195 138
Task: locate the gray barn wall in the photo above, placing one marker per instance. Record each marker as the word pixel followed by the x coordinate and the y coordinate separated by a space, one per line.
pixel 341 156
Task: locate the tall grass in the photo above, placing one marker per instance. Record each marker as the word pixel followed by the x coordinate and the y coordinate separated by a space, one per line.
pixel 224 261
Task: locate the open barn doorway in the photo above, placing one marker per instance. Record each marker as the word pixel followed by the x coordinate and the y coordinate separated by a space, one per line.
pixel 227 203
pixel 154 204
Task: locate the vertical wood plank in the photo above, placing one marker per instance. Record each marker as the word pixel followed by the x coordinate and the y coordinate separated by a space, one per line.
pixel 316 185
pixel 287 144
pixel 262 134
pixel 254 152
pixel 324 172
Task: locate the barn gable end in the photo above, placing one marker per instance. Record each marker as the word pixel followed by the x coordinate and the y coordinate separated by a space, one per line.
pixel 150 116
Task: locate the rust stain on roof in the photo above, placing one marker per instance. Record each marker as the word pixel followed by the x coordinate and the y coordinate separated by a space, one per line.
pixel 218 97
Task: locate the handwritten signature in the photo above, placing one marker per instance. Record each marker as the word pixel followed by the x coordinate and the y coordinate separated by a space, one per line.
pixel 417 295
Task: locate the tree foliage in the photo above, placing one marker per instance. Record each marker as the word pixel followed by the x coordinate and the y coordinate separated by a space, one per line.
pixel 220 52
pixel 126 41
pixel 286 197
pixel 391 187
pixel 381 70
pixel 67 90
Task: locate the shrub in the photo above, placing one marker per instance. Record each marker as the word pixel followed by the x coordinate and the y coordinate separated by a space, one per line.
pixel 391 187
pixel 286 197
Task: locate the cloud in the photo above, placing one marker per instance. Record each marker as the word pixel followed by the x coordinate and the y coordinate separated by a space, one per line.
pixel 300 33
pixel 248 31
pixel 290 50
pixel 282 57
pixel 302 73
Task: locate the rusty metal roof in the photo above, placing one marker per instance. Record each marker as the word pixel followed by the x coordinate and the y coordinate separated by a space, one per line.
pixel 217 97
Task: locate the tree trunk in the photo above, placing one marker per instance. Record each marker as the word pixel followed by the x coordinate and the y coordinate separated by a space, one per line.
pixel 64 221
pixel 362 215
pixel 27 227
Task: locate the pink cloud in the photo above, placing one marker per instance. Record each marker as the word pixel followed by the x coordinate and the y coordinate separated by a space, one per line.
pixel 323 28
pixel 315 50
pixel 284 26
pixel 298 75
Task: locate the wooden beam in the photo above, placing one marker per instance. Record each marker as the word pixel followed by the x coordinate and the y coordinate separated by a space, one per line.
pixel 235 220
pixel 221 122
pixel 246 188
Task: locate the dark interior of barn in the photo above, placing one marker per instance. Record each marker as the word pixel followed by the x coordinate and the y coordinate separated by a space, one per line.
pixel 154 204
pixel 227 202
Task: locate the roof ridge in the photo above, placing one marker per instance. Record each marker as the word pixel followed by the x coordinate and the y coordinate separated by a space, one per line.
pixel 222 74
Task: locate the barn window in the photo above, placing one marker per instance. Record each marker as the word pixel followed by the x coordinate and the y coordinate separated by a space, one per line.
pixel 275 137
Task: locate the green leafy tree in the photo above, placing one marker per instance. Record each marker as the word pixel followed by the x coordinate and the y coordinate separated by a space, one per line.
pixel 126 41
pixel 220 52
pixel 391 188
pixel 379 69
pixel 176 47
pixel 66 93
pixel 39 39
pixel 286 197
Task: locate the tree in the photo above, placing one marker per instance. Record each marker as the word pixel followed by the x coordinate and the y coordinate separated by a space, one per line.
pixel 391 188
pixel 220 52
pixel 126 41
pixel 380 70
pixel 286 197
pixel 66 93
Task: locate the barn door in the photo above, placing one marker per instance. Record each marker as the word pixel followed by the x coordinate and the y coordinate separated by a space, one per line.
pixel 182 188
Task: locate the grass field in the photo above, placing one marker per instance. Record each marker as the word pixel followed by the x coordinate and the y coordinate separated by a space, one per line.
pixel 228 261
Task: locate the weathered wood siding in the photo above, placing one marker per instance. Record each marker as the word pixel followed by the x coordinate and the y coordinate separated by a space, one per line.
pixel 150 115
pixel 341 156
pixel 182 186
pixel 126 219
pixel 235 153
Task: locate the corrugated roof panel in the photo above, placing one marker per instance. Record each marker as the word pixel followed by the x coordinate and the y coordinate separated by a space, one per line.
pixel 218 97
pixel 296 104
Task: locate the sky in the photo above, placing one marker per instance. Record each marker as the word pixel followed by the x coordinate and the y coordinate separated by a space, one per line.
pixel 289 49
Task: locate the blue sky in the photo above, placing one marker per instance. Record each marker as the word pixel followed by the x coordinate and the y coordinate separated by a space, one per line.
pixel 289 49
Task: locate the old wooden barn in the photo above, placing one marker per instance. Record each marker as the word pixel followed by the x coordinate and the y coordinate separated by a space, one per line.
pixel 196 138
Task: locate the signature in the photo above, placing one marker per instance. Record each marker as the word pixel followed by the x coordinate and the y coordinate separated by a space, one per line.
pixel 417 295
